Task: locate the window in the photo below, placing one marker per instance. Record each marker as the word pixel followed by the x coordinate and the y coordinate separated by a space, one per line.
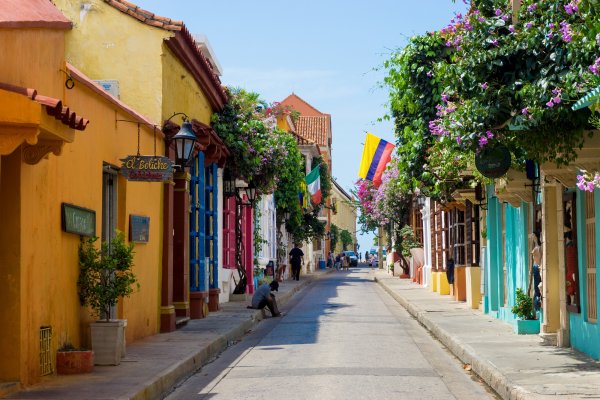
pixel 109 203
pixel 571 268
pixel 590 257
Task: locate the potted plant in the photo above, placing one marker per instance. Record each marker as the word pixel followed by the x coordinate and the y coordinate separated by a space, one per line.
pixel 105 276
pixel 71 360
pixel 523 309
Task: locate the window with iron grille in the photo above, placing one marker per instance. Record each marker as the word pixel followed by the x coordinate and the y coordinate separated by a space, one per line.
pixel 46 350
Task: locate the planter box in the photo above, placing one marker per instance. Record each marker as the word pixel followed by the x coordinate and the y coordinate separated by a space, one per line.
pixel 526 326
pixel 74 362
pixel 107 341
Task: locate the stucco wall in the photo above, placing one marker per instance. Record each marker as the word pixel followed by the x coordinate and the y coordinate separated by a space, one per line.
pixel 181 92
pixel 108 44
pixel 345 218
pixel 42 259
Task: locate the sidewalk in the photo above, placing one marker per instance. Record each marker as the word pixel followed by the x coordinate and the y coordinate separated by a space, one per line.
pixel 515 366
pixel 155 364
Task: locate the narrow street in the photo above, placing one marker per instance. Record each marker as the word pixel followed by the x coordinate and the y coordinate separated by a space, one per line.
pixel 341 338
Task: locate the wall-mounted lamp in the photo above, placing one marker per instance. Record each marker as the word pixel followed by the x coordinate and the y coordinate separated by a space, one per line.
pixel 228 183
pixel 251 193
pixel 480 196
pixel 230 189
pixel 533 173
pixel 184 141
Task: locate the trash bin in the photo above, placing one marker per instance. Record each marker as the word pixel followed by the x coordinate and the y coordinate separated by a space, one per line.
pixel 322 264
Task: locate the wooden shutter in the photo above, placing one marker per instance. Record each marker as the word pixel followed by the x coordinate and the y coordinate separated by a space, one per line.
pixel 590 240
pixel 229 232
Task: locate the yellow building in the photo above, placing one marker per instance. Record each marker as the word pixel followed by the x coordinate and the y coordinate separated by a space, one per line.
pixel 172 73
pixel 50 156
pixel 344 216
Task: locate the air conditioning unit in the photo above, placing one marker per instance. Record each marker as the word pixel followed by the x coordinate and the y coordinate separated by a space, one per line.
pixel 111 86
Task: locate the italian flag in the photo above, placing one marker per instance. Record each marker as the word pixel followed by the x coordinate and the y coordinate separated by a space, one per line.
pixel 313 183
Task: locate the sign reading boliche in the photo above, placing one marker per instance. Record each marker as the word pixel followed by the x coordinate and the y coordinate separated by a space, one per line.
pixel 147 168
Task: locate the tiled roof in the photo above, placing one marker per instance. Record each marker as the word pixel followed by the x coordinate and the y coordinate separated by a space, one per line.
pixel 54 107
pixel 314 128
pixel 300 105
pixel 146 16
pixel 31 14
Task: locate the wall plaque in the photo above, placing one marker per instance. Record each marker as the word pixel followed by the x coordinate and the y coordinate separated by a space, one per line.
pixel 79 220
pixel 139 228
pixel 147 168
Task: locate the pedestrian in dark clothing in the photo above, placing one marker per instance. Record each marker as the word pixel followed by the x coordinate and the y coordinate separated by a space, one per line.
pixel 296 260
pixel 264 298
pixel 450 270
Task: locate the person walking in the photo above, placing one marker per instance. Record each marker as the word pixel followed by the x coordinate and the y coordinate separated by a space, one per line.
pixel 296 260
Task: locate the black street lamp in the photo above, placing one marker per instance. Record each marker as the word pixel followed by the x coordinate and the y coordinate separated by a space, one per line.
pixel 184 144
pixel 184 141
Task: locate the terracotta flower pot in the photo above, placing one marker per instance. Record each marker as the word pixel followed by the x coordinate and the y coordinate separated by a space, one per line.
pixel 74 362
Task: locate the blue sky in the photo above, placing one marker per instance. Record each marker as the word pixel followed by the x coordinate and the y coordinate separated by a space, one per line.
pixel 325 51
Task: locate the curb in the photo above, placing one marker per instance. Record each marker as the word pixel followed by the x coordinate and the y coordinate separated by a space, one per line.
pixel 490 374
pixel 163 383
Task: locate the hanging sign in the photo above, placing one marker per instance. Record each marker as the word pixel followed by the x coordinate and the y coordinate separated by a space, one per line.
pixel 493 161
pixel 147 168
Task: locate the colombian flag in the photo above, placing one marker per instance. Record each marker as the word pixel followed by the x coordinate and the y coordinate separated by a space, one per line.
pixel 376 154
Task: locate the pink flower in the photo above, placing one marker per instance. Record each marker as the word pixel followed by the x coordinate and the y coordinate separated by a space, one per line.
pixel 498 12
pixel 511 29
pixel 484 85
pixel 528 25
pixel 556 100
pixel 483 141
pixel 550 104
pixel 489 135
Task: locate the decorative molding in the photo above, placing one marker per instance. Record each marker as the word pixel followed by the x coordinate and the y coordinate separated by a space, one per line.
pixel 33 154
pixel 13 137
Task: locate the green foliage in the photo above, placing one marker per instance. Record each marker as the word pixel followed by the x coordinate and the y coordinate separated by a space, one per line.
pixel 105 274
pixel 346 238
pixel 485 79
pixel 335 236
pixel 414 94
pixel 523 307
pixel 408 240
pixel 258 148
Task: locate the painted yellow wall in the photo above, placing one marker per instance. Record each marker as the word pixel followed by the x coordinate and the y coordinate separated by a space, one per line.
pixel 181 93
pixel 46 268
pixel 108 44
pixel 345 218
pixel 552 241
pixel 39 61
pixel 10 273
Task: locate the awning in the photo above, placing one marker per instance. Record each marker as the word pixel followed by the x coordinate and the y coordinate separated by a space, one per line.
pixel 41 124
pixel 592 97
pixel 588 158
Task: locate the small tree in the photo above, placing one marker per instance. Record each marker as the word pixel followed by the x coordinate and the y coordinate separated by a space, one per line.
pixel 335 236
pixel 346 239
pixel 105 274
pixel 523 307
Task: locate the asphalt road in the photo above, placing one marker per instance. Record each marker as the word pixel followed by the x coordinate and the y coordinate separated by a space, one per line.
pixel 341 338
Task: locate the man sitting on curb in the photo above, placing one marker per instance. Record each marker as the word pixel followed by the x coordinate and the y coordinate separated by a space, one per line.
pixel 263 297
